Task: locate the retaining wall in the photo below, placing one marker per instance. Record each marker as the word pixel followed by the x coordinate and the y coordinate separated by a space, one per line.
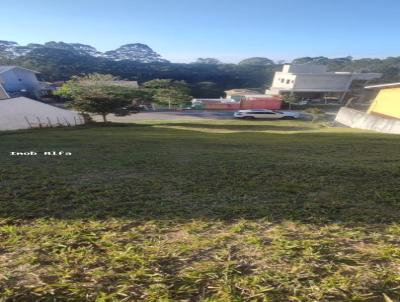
pixel 361 120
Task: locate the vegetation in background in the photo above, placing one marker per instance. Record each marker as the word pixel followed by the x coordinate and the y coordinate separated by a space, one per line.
pixel 257 61
pixel 289 99
pixel 168 92
pixel 100 94
pixel 316 113
pixel 104 94
pixel 287 211
pixel 211 61
pixel 57 64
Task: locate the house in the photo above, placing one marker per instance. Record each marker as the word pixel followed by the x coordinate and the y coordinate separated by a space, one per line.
pixel 251 101
pixel 261 101
pixel 237 94
pixel 25 113
pixel 221 104
pixel 309 81
pixel 19 81
pixel 387 101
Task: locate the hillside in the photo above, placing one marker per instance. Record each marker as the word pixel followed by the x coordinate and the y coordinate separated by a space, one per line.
pixel 131 52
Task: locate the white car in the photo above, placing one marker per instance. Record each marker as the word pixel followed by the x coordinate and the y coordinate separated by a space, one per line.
pixel 265 114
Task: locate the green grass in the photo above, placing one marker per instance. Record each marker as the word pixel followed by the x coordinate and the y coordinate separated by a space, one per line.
pixel 200 211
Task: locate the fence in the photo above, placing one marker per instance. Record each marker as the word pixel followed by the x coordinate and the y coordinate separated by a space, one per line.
pixel 59 121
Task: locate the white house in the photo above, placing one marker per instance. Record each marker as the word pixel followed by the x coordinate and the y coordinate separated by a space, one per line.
pixel 17 81
pixel 314 81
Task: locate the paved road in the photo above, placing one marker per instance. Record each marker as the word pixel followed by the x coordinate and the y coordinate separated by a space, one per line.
pixel 169 116
pixel 178 115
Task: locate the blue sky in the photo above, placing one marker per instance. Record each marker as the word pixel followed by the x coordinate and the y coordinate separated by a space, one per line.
pixel 182 30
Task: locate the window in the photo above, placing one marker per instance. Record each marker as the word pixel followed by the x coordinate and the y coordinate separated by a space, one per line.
pixel 282 80
pixel 287 81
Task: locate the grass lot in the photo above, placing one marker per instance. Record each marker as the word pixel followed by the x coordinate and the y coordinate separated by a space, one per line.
pixel 200 211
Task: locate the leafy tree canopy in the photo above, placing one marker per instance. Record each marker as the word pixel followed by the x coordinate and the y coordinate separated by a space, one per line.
pixel 59 65
pixel 211 61
pixel 168 91
pixel 259 61
pixel 98 93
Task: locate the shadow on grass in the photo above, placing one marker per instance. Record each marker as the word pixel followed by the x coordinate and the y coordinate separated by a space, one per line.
pixel 87 205
pixel 215 193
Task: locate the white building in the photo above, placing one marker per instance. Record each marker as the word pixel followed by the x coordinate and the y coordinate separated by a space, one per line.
pixel 313 81
pixel 17 81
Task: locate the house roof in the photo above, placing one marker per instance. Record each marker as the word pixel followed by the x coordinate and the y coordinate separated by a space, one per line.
pixel 4 68
pixel 260 95
pixel 383 86
pixel 241 91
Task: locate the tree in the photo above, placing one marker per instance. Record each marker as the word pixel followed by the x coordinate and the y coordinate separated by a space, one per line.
pixel 167 91
pixel 259 61
pixel 289 99
pixel 316 113
pixel 211 61
pixel 206 89
pixel 98 93
pixel 59 64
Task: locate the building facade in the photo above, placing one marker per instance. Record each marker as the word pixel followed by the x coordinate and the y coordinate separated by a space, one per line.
pixel 314 81
pixel 387 100
pixel 238 94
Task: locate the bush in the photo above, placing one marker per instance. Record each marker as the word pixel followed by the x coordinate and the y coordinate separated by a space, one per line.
pixel 316 113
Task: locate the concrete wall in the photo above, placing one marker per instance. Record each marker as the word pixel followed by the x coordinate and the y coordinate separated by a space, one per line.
pixel 24 113
pixel 361 120
pixel 387 102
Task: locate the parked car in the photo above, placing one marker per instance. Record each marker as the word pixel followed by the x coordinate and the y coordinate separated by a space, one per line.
pixel 265 114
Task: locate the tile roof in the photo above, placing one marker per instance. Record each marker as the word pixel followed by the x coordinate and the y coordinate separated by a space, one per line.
pixel 4 68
